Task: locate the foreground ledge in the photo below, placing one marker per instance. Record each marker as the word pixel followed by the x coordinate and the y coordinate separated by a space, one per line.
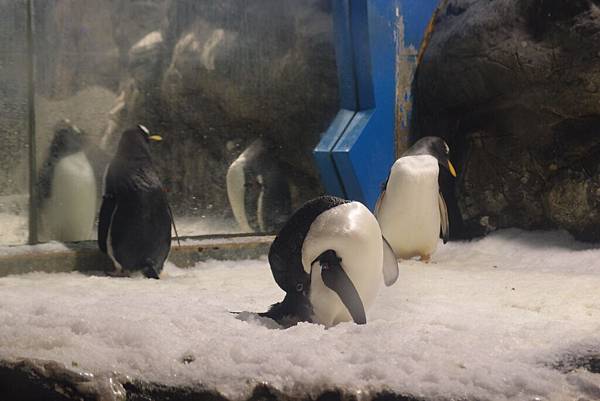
pixel 34 380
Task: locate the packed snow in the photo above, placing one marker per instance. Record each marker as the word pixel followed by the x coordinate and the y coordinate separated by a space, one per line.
pixel 489 319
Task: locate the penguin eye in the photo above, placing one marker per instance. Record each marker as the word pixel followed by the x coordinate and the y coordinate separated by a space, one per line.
pixel 299 287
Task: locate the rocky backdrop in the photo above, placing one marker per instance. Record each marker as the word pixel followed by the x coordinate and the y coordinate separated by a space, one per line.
pixel 514 87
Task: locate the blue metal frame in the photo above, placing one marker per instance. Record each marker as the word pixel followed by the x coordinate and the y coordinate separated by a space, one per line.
pixel 357 151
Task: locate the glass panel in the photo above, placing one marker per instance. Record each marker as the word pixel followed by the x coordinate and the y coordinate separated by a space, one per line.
pixel 14 172
pixel 239 90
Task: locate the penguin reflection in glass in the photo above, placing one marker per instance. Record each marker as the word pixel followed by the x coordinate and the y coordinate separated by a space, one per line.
pixel 67 188
pixel 330 259
pixel 258 191
pixel 135 218
pixel 411 209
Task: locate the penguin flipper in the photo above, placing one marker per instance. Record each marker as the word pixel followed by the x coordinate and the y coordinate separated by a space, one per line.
pixel 106 212
pixel 380 199
pixel 173 223
pixel 390 264
pixel 445 225
pixel 336 279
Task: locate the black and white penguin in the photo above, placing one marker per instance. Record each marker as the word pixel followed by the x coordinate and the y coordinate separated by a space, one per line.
pixel 330 259
pixel 411 209
pixel 135 217
pixel 258 191
pixel 67 188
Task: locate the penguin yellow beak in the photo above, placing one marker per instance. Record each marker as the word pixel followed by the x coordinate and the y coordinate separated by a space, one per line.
pixel 156 138
pixel 451 168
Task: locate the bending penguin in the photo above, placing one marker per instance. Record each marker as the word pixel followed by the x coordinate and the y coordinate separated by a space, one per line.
pixel 135 217
pixel 258 191
pixel 411 209
pixel 67 188
pixel 330 259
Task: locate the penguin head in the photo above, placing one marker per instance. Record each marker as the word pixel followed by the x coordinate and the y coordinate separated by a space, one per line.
pixel 134 143
pixel 68 139
pixel 433 146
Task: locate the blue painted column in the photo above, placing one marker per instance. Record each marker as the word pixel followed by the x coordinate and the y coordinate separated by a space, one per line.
pixel 377 42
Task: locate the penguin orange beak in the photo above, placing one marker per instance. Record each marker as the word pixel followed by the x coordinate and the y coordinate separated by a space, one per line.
pixel 451 168
pixel 156 138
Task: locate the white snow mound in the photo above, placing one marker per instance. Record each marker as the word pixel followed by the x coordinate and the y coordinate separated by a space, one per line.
pixel 487 320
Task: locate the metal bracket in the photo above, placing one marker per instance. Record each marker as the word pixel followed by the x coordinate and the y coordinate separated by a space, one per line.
pixel 376 42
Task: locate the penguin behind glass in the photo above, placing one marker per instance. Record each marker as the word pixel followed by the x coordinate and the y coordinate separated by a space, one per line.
pixel 330 259
pixel 411 209
pixel 135 218
pixel 258 191
pixel 67 188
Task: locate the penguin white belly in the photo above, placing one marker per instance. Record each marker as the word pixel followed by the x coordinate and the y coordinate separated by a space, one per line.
pixel 69 213
pixel 409 213
pixel 353 233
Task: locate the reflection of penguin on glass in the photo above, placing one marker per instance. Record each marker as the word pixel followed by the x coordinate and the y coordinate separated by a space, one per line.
pixel 67 188
pixel 258 191
pixel 135 218
pixel 330 259
pixel 411 209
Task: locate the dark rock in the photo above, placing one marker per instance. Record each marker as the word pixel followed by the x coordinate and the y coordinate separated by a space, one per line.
pixel 34 380
pixel 512 85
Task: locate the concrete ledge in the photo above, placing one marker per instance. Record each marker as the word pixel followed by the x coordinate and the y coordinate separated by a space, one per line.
pixel 86 257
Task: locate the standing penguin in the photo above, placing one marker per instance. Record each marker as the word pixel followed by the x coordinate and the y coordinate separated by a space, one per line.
pixel 135 218
pixel 411 209
pixel 67 188
pixel 258 191
pixel 330 259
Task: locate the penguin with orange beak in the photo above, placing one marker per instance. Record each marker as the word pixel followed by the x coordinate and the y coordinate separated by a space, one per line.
pixel 411 209
pixel 134 228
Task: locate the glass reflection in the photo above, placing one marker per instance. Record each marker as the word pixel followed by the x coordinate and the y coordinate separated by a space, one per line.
pixel 240 91
pixel 14 171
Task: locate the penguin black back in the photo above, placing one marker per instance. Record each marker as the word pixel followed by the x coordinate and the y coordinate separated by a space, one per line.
pixel 135 219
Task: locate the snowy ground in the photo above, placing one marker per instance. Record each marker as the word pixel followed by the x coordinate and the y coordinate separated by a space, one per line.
pixel 485 320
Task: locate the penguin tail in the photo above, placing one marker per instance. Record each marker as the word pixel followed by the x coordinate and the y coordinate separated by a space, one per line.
pixel 151 270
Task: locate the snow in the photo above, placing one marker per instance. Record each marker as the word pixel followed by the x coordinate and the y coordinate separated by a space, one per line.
pixel 488 319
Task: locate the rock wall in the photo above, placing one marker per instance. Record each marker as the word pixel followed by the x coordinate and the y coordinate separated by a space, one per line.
pixel 514 87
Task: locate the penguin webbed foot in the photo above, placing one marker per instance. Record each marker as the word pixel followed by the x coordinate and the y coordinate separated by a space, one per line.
pixel 425 258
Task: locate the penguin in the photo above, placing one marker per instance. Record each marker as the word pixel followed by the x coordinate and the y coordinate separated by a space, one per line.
pixel 330 259
pixel 411 209
pixel 67 188
pixel 258 191
pixel 135 218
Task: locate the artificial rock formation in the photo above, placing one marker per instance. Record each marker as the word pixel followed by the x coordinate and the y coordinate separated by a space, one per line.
pixel 514 87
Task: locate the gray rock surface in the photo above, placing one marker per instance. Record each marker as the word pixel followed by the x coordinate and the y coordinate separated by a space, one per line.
pixel 514 87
